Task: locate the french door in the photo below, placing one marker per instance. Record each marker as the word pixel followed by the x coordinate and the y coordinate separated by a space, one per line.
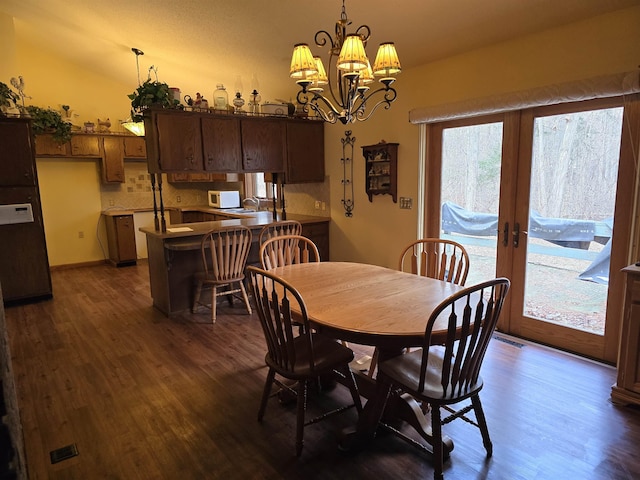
pixel 536 196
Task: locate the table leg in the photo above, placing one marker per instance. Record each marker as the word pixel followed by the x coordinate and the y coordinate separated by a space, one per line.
pixel 385 407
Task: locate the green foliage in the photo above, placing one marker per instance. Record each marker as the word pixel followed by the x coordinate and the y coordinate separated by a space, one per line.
pixel 150 94
pixel 7 96
pixel 46 120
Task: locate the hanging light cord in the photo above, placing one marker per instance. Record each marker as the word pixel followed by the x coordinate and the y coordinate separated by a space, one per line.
pixel 138 52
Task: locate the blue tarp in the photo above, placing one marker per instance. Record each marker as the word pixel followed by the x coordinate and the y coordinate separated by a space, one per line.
pixel 560 231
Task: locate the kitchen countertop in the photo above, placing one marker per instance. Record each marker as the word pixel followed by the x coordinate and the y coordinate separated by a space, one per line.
pixel 256 220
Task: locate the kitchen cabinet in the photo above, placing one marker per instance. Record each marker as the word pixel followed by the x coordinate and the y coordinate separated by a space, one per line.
pixel 24 262
pixel 305 151
pixel 112 160
pixel 121 239
pixel 179 141
pixel 263 144
pixel 627 387
pixel 221 143
pixel 46 146
pixel 134 147
pixel 86 146
pixel 17 166
pixel 110 149
pixel 381 165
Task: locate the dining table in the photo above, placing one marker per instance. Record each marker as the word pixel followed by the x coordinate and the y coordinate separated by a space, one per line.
pixel 380 307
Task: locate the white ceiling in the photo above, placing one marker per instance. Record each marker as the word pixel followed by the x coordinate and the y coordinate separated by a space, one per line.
pixel 192 42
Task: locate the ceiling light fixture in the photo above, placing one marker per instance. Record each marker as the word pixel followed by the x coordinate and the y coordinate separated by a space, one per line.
pixel 137 128
pixel 349 90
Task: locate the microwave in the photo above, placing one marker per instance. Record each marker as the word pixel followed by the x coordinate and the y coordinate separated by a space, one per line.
pixel 224 198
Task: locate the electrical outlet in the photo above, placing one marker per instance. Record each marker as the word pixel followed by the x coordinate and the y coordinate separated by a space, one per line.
pixel 406 203
pixel 324 205
pixel 111 203
pixel 317 204
pixel 80 234
pixel 178 199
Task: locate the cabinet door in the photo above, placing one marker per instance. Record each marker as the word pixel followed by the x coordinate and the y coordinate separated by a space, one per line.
pixel 126 238
pixel 305 151
pixel 85 145
pixel 24 264
pixel 179 142
pixel 112 161
pixel 263 145
pixel 16 157
pixel 46 146
pixel 134 147
pixel 221 143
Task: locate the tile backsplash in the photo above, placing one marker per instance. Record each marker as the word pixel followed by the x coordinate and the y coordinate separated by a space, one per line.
pixel 135 193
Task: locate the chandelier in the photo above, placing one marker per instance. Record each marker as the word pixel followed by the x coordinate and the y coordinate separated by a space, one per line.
pixel 350 93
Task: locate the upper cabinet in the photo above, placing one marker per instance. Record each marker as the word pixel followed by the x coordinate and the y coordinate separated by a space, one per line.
pixel 263 144
pixel 221 143
pixel 16 155
pixel 305 152
pixel 191 142
pixel 111 149
pixel 179 142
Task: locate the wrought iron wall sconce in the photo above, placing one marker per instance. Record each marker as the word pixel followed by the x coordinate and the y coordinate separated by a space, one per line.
pixel 347 173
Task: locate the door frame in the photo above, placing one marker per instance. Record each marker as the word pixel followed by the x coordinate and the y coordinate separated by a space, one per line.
pixel 516 156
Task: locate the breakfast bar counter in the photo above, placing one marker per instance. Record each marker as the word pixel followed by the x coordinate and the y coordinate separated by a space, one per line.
pixel 174 255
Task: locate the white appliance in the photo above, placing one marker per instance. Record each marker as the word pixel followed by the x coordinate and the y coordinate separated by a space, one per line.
pixel 224 198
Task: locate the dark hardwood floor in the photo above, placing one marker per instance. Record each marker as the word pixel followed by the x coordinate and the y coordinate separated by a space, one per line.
pixel 148 397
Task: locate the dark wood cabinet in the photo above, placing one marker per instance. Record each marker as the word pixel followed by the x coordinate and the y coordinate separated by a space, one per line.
pixel 24 262
pixel 381 164
pixel 197 142
pixel 221 142
pixel 263 145
pixel 179 141
pixel 121 238
pixel 305 152
pixel 627 388
pixel 17 166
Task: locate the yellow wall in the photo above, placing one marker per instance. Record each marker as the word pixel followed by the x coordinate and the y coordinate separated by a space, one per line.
pixel 379 230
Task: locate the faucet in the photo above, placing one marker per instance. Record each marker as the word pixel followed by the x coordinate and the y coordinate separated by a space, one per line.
pixel 252 203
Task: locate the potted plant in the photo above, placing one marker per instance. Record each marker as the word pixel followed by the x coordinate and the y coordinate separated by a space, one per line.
pixel 46 120
pixel 150 93
pixel 8 98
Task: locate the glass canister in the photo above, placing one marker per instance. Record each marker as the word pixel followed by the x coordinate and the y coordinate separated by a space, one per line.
pixel 220 98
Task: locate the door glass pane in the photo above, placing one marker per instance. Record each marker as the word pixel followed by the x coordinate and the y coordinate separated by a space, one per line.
pixel 573 188
pixel 471 162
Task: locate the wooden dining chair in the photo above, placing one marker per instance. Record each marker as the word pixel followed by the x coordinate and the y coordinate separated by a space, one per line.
pixel 224 258
pixel 303 357
pixel 275 229
pixel 284 250
pixel 430 257
pixel 436 258
pixel 447 373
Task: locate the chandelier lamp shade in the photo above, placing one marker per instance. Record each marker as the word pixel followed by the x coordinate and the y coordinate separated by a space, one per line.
pixel 350 97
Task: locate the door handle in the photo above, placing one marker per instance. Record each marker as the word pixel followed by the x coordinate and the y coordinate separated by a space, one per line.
pixel 505 234
pixel 516 235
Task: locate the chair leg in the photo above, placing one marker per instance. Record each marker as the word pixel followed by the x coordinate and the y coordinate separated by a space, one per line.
pixel 196 298
pixel 214 303
pixel 353 387
pixel 374 363
pixel 482 423
pixel 436 431
pixel 245 296
pixel 301 407
pixel 266 393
